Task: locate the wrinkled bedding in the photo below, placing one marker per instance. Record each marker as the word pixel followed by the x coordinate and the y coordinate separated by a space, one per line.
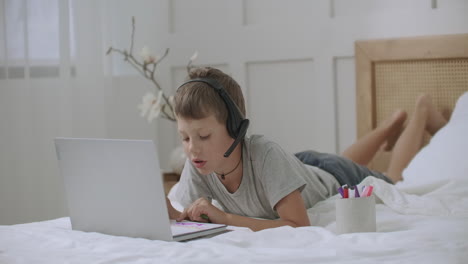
pixel 427 223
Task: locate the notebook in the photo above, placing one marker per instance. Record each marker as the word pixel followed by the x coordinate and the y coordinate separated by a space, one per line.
pixel 115 187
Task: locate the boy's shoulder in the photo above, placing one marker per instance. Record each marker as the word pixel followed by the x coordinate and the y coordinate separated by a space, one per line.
pixel 259 140
pixel 258 145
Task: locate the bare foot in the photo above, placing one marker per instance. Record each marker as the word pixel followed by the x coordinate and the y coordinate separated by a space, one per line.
pixel 394 126
pixel 446 113
pixel 435 120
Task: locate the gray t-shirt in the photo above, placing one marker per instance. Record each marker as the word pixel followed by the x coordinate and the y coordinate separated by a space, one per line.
pixel 269 174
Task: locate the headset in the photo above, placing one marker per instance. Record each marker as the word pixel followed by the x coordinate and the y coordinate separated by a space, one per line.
pixel 236 124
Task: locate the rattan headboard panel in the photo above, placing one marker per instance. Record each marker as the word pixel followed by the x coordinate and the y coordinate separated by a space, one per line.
pixel 398 84
pixel 391 74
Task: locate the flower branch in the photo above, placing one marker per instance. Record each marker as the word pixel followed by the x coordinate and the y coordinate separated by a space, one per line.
pixel 152 105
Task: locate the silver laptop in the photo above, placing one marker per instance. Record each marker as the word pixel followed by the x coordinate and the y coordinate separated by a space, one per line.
pixel 115 187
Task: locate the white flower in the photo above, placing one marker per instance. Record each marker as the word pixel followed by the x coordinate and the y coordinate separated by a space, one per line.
pixel 155 108
pixel 151 106
pixel 146 55
pixel 194 56
pixel 172 101
pixel 146 104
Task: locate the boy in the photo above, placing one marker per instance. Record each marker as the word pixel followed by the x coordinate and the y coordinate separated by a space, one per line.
pixel 257 183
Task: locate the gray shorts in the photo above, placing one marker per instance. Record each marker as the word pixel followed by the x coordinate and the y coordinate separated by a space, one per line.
pixel 345 170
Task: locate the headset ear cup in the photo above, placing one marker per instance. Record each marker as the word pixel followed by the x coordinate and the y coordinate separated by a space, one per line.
pixel 244 125
pixel 231 126
pixel 234 122
pixel 242 130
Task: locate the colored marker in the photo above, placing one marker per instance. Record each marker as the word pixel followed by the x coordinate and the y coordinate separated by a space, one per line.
pixel 356 192
pixel 204 216
pixel 340 190
pixel 364 191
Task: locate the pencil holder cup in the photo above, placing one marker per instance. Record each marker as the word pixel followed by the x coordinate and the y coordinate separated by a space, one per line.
pixel 355 215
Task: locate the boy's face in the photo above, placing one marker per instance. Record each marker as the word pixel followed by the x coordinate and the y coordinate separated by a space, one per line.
pixel 205 141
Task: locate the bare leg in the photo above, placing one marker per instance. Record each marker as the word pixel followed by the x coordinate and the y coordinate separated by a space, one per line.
pixel 365 148
pixel 425 117
pixel 436 120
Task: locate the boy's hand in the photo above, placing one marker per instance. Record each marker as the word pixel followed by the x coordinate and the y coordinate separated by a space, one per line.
pixel 203 207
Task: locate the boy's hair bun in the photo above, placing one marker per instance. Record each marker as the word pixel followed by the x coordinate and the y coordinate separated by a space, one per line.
pixel 200 72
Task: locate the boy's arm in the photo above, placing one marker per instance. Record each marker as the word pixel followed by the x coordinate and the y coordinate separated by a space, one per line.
pixel 291 210
pixel 173 213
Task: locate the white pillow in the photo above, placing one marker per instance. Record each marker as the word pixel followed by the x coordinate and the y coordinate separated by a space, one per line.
pixel 446 154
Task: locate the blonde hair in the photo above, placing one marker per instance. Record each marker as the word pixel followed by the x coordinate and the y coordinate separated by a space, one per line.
pixel 198 100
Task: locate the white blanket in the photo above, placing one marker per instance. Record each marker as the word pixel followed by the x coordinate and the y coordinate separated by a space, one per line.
pixel 424 224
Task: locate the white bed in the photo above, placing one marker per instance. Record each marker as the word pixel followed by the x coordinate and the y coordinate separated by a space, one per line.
pixel 424 220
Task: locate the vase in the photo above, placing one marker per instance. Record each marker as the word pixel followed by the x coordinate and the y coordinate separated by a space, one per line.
pixel 177 160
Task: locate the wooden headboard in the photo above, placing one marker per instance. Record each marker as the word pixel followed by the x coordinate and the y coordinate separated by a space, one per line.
pixel 391 73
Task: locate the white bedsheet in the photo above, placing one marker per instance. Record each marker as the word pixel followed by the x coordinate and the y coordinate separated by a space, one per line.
pixel 424 224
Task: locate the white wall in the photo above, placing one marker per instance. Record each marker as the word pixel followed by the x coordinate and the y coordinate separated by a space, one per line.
pixel 293 59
